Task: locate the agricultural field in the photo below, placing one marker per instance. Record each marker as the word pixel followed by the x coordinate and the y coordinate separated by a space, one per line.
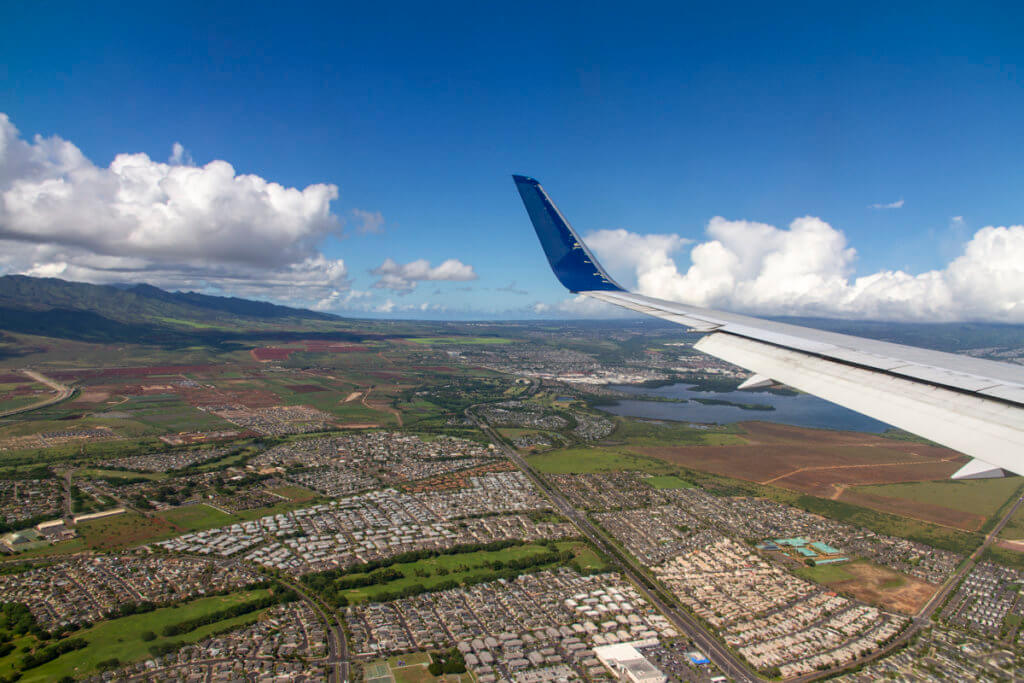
pixel 819 462
pixel 461 340
pixel 961 504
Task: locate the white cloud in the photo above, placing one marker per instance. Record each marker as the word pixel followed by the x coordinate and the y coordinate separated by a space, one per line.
pixel 580 306
pixel 173 225
pixel 50 193
pixel 369 221
pixel 898 204
pixel 179 155
pixel 403 277
pixel 808 269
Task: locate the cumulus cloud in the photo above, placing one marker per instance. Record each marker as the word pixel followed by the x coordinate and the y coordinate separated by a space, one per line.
pixel 136 207
pixel 898 204
pixel 369 221
pixel 808 269
pixel 172 224
pixel 400 277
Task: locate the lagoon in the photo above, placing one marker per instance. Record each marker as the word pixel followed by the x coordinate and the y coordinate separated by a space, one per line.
pixel 801 410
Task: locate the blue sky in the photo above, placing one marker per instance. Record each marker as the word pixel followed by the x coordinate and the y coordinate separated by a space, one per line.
pixel 652 118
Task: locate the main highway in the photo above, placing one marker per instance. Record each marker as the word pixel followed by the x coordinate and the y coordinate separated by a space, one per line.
pixel 684 623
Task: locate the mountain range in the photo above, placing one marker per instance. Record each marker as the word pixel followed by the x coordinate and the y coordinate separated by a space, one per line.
pixel 138 313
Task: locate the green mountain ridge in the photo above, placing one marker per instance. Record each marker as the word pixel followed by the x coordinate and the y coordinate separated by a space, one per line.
pixel 76 310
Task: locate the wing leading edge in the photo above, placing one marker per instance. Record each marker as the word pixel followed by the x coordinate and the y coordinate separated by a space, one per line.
pixel 971 405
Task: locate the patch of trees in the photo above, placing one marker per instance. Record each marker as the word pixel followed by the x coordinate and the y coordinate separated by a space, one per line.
pixel 16 619
pixel 124 481
pixel 449 662
pixel 37 472
pixel 51 652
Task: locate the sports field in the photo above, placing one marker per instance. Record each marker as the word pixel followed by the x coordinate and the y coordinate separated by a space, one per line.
pixel 410 668
pixel 196 517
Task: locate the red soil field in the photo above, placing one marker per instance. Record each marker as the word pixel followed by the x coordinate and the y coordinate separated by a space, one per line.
pixel 272 353
pixel 823 463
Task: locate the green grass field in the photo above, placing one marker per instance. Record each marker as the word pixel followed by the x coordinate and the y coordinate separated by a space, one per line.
pixel 977 496
pixel 668 482
pixel 196 517
pixel 121 638
pixel 461 340
pixel 91 473
pixel 298 494
pixel 826 573
pixel 585 460
pixel 663 433
pixel 409 668
pixel 1014 529
pixel 124 531
pixel 466 566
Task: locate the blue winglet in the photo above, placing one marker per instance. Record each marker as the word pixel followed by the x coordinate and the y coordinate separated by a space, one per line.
pixel 574 265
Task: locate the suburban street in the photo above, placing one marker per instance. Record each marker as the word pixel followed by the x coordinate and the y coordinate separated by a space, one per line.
pixel 685 623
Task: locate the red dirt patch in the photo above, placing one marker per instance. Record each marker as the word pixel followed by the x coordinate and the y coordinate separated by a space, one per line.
pixel 1015 546
pixel 884 587
pixel 271 353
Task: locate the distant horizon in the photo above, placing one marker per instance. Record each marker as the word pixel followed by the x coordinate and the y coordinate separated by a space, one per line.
pixel 626 317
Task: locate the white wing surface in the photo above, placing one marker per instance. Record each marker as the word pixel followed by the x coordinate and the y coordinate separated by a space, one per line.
pixel 971 405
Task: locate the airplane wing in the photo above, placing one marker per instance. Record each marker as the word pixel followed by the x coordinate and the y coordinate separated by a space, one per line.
pixel 971 405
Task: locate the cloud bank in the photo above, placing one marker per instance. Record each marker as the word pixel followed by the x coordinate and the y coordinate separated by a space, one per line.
pixel 403 277
pixel 807 269
pixel 178 226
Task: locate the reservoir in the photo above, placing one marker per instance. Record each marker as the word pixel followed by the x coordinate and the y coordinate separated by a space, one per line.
pixel 802 410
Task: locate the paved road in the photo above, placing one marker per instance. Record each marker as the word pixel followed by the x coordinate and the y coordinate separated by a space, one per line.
pixel 336 643
pixel 63 392
pixel 685 623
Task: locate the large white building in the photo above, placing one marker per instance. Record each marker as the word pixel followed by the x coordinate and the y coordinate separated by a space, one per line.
pixel 627 664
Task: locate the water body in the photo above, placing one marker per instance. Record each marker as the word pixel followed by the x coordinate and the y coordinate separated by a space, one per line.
pixel 802 410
